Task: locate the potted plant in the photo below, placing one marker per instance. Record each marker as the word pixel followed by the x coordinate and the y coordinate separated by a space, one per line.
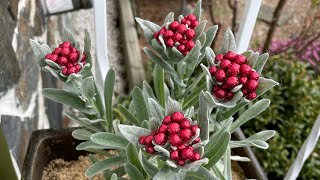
pixel 179 128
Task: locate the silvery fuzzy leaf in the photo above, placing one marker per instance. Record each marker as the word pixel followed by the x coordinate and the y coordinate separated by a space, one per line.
pixel 86 70
pixel 39 50
pixel 175 54
pixel 165 173
pixel 210 55
pixel 158 83
pixel 165 50
pixel 262 59
pixel 202 39
pixel 199 149
pixel 74 77
pixel 199 29
pixel 81 134
pixel 67 98
pixel 193 97
pixel 87 88
pixel 203 117
pixel 52 64
pixel 236 88
pixel 209 84
pixel 55 73
pixel 192 57
pixel 158 48
pixel 210 35
pixel 133 156
pixel 162 150
pixel 133 133
pixel 197 10
pixel 250 113
pixel 67 36
pixel 82 121
pixel 149 28
pixel 201 174
pixel 227 164
pixel 252 59
pixel 154 123
pixel 108 92
pixel 105 164
pixel 128 115
pixel 111 140
pixel 169 18
pixel 264 85
pixel 133 172
pixel 172 106
pixel 240 158
pixel 180 17
pixel 147 90
pixel 222 115
pixel 181 68
pixel 228 42
pixel 140 105
pixel 257 143
pixel 115 124
pixel 194 166
pixel 171 163
pixel 148 167
pixel 145 124
pixel 114 176
pixel 87 42
pixel 218 171
pixel 226 124
pixel 229 104
pixel 205 70
pixel 87 145
pixel 262 135
pixel 189 112
pixel 155 109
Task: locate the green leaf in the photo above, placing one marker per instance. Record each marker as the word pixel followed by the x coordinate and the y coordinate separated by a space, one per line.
pixel 169 18
pixel 258 66
pixel 109 139
pixel 82 121
pixel 257 140
pixel 264 85
pixel 39 51
pixel 149 28
pixel 99 102
pixel 201 174
pixel 194 166
pixel 203 117
pixel 127 114
pixel 133 133
pixel 133 157
pixel 52 64
pixel 140 104
pixel 158 82
pixel 155 109
pixel 250 113
pixel 210 35
pixel 114 177
pixel 228 42
pixel 197 10
pixel 165 173
pixel 192 98
pixel 227 164
pixel 199 29
pixel 108 94
pixel 172 106
pixel 67 36
pixel 215 153
pixel 104 165
pixel 133 172
pixel 210 55
pixel 252 57
pixel 88 88
pixel 67 98
pixel 88 145
pixel 230 112
pixel 147 90
pixel 81 134
pixel 87 46
pixel 148 167
pixel 192 57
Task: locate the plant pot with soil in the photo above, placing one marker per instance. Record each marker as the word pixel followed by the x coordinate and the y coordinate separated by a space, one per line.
pixel 180 127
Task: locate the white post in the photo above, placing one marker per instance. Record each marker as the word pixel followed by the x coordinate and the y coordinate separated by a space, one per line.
pixel 248 21
pixel 100 18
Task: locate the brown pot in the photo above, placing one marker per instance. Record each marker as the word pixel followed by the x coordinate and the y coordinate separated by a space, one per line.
pixel 50 144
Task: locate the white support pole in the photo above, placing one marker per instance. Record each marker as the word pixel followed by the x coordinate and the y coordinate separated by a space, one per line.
pixel 100 18
pixel 248 21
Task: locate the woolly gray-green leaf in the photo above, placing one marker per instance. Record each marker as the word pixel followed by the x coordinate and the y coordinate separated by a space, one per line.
pixel 88 88
pixel 252 57
pixel 210 35
pixel 203 117
pixel 108 94
pixel 250 113
pixel 262 59
pixel 149 28
pixel 84 122
pixel 87 145
pixel 147 90
pixel 87 46
pixel 228 104
pixel 128 115
pixel 81 134
pixel 148 167
pixel 194 166
pixel 67 98
pixel 210 55
pixel 68 37
pixel 39 51
pixel 228 42
pixel 133 157
pixel 140 104
pixel 172 106
pixel 199 29
pixel 158 83
pixel 257 140
pixel 169 18
pixel 109 139
pixel 52 64
pixel 155 109
pixel 133 133
pixel 197 10
pixel 201 174
pixel 264 85
pixel 133 172
pixel 227 164
pixel 222 115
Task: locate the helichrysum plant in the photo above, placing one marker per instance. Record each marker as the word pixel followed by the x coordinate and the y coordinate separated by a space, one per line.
pixel 176 129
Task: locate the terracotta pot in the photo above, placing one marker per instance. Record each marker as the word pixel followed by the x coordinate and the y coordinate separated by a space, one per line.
pixel 50 144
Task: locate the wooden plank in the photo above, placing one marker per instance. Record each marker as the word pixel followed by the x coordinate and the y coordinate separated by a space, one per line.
pixel 133 58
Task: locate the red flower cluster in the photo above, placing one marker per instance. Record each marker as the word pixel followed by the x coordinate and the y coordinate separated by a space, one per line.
pixel 180 35
pixel 66 56
pixel 232 71
pixel 177 131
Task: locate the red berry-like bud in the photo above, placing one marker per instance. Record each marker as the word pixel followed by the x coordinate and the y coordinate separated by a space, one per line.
pixel 154 132
pixel 194 24
pixel 84 57
pixel 48 56
pixel 148 140
pixel 183 41
pixel 74 57
pixel 65 51
pixel 166 120
pixel 62 61
pixel 186 153
pixel 190 33
pixel 189 45
pixel 224 86
pixel 220 94
pixel 174 25
pixel 230 55
pixel 186 22
pixel 213 70
pixel 196 157
pixel 215 88
pixel 181 28
pixel 229 96
pixel 66 44
pixel 181 146
pixel 69 65
pixel 252 85
pixel 54 57
pixel 240 59
pixel 168 34
pixel 253 75
pixel 218 58
pixel 234 69
pixel 185 135
pixel 163 128
pixel 161 32
pixel 64 71
pixel 191 17
pixel 177 117
pixel 185 53
pixel 243 80
pixel 244 91
pixel 156 35
pixel 194 129
pixel 74 50
pixel 177 37
pixel 173 128
pixel 160 139
pixel 220 75
pixel 197 140
pixel 232 81
pixel 57 50
pixel 245 69
pixel 184 124
pixel 174 155
pixel 180 162
pixel 150 149
pixel 174 139
pixel 181 48
pixel 225 63
pixel 78 67
pixel 141 140
pixel 72 70
pixel 170 43
pixel 251 96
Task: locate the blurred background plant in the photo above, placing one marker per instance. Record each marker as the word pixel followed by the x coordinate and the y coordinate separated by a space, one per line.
pixel 294 108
